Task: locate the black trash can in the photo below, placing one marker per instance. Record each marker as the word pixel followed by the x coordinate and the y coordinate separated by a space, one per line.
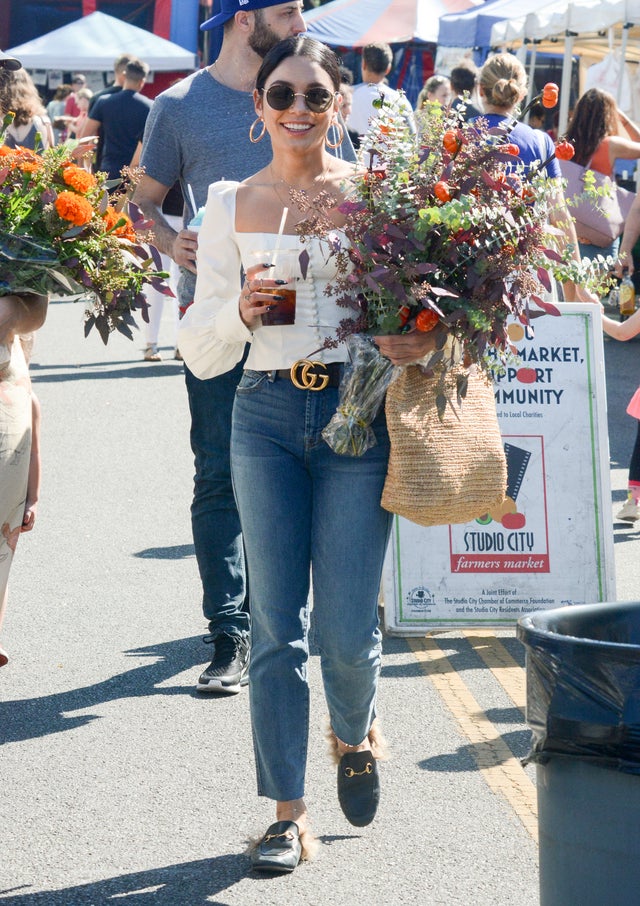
pixel 583 707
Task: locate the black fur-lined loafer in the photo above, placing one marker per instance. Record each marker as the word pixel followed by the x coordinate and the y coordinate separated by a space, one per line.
pixel 358 787
pixel 279 850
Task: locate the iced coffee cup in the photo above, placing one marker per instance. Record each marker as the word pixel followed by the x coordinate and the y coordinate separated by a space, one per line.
pixel 286 267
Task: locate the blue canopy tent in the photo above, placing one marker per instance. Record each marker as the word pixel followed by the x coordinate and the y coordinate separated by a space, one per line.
pixel 471 29
pixel 409 26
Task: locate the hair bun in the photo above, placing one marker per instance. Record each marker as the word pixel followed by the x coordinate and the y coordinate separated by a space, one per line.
pixel 505 92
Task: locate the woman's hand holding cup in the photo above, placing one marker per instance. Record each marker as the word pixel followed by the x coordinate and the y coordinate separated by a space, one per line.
pixel 254 302
pixel 268 296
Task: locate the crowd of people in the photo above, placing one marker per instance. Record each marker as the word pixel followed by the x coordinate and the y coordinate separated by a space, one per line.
pixel 283 112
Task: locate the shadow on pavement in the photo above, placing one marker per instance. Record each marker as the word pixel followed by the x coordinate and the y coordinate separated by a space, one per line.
pixel 467 757
pixel 32 718
pixel 457 649
pixel 195 883
pixel 81 372
pixel 621 535
pixel 172 552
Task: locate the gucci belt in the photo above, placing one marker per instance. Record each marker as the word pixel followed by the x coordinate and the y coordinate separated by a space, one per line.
pixel 306 374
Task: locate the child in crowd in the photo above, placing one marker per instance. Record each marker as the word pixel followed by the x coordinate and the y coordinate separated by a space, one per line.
pixel 625 330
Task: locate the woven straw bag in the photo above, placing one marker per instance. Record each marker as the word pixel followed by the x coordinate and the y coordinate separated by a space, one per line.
pixel 449 471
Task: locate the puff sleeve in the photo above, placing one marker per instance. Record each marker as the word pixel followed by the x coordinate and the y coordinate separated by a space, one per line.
pixel 212 335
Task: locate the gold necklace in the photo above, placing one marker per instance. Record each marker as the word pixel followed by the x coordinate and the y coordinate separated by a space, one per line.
pixel 298 192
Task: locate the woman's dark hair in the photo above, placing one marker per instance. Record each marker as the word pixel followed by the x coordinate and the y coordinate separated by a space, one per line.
pixel 300 46
pixel 595 116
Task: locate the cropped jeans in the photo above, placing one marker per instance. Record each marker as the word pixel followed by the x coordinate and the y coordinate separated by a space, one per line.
pixel 214 515
pixel 302 508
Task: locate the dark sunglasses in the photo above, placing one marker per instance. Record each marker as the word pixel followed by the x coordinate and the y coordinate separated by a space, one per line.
pixel 281 97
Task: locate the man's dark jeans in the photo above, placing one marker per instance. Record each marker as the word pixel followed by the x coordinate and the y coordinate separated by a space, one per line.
pixel 214 517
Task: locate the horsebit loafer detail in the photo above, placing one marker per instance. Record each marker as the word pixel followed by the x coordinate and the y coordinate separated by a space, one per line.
pixel 358 787
pixel 279 850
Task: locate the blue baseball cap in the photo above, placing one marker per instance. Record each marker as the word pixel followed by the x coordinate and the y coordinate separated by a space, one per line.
pixel 226 9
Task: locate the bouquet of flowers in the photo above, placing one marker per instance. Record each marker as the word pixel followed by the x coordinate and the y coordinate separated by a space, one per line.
pixel 62 233
pixel 445 231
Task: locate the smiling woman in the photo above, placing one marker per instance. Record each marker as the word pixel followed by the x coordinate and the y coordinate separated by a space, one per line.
pixel 292 490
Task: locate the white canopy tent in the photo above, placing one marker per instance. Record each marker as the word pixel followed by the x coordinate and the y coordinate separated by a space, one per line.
pixel 345 23
pixel 589 27
pixel 92 43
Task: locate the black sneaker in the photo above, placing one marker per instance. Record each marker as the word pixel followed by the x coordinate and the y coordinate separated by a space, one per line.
pixel 229 669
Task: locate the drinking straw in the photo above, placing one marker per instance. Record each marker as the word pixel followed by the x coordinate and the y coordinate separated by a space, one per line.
pixel 285 211
pixel 192 199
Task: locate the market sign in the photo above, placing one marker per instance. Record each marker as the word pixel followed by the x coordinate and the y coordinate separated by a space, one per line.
pixel 551 542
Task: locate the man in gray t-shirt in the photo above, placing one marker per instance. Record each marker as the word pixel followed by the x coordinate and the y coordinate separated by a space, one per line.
pixel 198 132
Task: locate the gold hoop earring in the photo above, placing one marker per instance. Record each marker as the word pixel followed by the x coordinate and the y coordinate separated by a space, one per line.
pixel 252 137
pixel 340 130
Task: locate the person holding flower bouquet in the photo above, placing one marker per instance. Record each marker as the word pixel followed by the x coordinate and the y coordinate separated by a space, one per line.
pixel 20 316
pixel 447 235
pixel 62 233
pixel 301 505
pixel 58 234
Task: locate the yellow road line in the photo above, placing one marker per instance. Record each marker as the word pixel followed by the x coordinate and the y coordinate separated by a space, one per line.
pixel 506 669
pixel 500 768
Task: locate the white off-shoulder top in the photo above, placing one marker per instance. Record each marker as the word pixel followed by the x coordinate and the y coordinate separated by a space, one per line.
pixel 212 335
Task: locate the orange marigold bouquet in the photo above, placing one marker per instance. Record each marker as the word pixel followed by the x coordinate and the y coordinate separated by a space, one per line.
pixel 61 233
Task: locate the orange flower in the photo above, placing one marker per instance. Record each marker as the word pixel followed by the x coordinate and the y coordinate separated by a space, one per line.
pixel 442 191
pixel 550 94
pixel 510 149
pixel 74 208
pixel 451 142
pixel 21 158
pixel 565 151
pixel 25 153
pixel 29 166
pixel 78 178
pixel 124 229
pixel 110 217
pixel 426 320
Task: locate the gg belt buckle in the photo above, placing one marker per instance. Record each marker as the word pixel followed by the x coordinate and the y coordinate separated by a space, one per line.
pixel 304 379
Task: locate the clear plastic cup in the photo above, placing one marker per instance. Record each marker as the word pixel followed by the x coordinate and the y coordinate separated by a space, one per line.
pixel 287 268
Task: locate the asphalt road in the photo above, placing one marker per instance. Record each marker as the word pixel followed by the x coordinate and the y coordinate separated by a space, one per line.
pixel 118 783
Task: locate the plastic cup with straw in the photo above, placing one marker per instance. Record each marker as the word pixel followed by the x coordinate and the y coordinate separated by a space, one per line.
pixel 283 267
pixel 196 221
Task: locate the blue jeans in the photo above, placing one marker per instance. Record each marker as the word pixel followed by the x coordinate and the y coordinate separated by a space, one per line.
pixel 302 506
pixel 214 516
